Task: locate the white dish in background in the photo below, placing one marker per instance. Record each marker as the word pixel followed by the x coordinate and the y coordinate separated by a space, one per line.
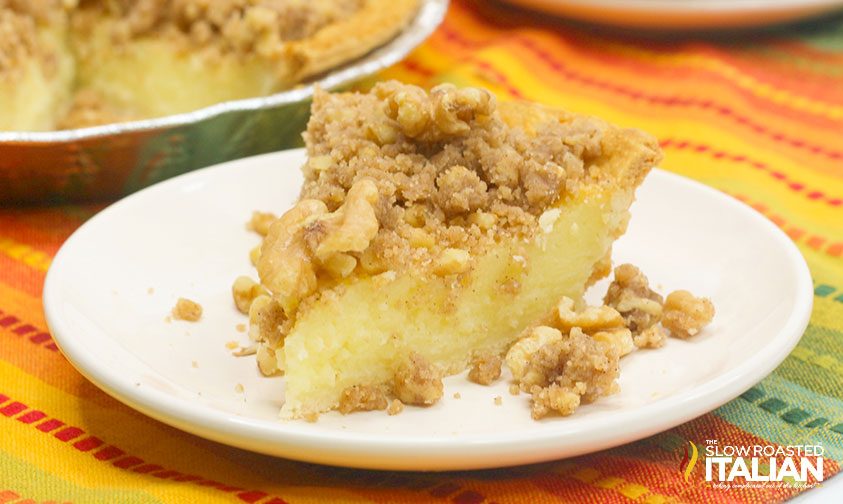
pixel 186 237
pixel 685 14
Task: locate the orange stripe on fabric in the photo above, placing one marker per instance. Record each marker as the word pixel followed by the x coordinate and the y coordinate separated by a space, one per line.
pixel 16 275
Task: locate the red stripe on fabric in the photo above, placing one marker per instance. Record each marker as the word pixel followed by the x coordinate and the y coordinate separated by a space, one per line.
pixel 8 321
pixel 13 408
pixel 147 468
pixel 187 477
pixel 24 329
pixel 468 497
pixel 836 249
pixel 40 338
pixel 252 496
pixel 68 433
pixel 444 490
pixel 49 425
pixel 108 453
pixel 88 444
pixel 125 463
pixel 414 66
pixel 166 474
pixel 276 500
pixel 740 158
pixel 31 416
pixel 560 68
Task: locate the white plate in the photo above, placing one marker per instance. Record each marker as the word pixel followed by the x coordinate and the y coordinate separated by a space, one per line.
pixel 679 14
pixel 186 237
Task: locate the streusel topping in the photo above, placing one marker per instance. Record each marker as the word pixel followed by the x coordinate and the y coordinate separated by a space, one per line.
pixel 237 26
pixel 19 22
pixel 447 167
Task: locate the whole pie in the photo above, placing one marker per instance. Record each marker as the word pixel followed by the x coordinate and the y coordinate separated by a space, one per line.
pixel 433 229
pixel 67 64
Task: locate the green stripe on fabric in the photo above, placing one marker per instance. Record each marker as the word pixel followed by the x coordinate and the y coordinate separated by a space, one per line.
pixel 796 416
pixel 817 362
pixel 782 398
pixel 773 405
pixel 31 482
pixel 752 394
pixel 823 290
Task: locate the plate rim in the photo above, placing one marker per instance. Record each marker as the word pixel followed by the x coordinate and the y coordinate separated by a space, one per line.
pixel 671 15
pixel 368 450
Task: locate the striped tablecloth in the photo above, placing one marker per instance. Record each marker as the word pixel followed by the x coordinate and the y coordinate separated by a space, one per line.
pixel 758 116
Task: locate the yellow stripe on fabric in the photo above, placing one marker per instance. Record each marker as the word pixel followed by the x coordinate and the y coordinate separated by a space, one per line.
pixel 25 254
pixel 33 483
pixel 157 444
pixel 468 22
pixel 594 477
pixel 720 67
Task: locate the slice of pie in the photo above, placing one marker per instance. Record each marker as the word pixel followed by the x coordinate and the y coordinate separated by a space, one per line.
pixel 143 58
pixel 36 67
pixel 76 63
pixel 432 229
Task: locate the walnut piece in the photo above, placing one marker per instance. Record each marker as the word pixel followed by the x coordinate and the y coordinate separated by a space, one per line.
pixel 685 314
pixel 187 310
pixel 485 369
pixel 630 294
pixel 308 239
pixel 591 319
pixel 260 222
pixel 245 290
pixel 395 407
pixel 452 261
pixel 350 228
pixel 362 398
pixel 285 266
pixel 418 382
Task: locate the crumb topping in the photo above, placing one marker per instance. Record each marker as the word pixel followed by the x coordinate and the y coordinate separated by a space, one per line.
pixel 446 166
pixel 485 369
pixel 188 310
pixel 241 27
pixel 562 370
pixel 574 358
pixel 362 398
pixel 19 24
pixel 418 382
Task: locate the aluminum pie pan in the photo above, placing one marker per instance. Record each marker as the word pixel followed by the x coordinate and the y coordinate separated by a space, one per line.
pixel 109 161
